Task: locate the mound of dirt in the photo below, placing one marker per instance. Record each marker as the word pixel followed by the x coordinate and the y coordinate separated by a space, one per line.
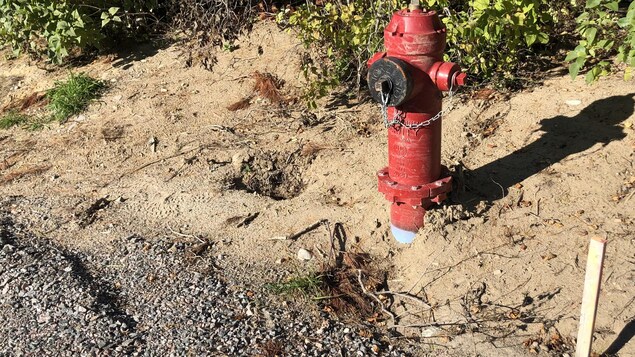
pixel 271 173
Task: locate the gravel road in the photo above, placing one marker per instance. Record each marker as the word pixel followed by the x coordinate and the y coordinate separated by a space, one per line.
pixel 154 298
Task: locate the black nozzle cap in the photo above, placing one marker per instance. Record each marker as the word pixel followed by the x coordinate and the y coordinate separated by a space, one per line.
pixel 392 77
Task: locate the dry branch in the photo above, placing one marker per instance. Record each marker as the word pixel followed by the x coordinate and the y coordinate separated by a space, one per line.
pixel 406 296
pixel 381 304
pixel 298 234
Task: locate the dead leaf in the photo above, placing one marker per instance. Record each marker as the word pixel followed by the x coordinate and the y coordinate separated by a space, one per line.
pixel 485 93
pixel 27 171
pixel 374 318
pixel 241 104
pixel 548 256
pixel 513 314
pixel 268 86
pixel 200 248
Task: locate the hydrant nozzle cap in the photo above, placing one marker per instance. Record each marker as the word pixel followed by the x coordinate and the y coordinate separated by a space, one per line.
pixel 461 79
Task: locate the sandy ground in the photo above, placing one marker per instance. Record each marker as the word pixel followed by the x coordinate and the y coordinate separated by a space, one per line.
pixel 502 263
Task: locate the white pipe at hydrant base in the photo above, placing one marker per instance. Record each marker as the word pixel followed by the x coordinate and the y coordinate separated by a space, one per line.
pixel 402 236
pixel 590 296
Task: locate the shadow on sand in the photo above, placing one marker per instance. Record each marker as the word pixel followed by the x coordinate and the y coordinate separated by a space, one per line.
pixel 563 136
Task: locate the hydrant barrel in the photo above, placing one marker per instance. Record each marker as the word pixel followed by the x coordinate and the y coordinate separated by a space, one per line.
pixel 414 156
pixel 408 80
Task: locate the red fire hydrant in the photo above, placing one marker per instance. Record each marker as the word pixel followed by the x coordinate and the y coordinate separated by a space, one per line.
pixel 407 80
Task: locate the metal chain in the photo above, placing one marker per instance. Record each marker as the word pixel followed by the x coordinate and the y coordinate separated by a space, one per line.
pixel 399 117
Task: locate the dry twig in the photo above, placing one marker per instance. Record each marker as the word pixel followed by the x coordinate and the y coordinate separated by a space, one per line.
pixel 197 149
pixel 185 235
pixel 381 304
pixel 406 296
pixel 297 235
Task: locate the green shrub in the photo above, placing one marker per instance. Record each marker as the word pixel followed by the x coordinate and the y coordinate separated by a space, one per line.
pixel 73 95
pixel 606 33
pixel 45 27
pixel 346 36
pixel 488 38
pixel 13 118
pixel 54 28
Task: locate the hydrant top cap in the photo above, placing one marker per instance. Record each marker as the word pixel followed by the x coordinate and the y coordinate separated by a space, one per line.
pixel 418 12
pixel 417 22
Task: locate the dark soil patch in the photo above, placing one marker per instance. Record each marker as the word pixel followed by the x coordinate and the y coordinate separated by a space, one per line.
pixel 273 174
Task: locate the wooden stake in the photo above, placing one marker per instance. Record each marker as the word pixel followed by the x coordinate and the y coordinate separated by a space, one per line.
pixel 590 297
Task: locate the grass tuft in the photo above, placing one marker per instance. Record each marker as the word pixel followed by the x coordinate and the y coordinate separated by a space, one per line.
pixel 13 118
pixel 73 95
pixel 307 285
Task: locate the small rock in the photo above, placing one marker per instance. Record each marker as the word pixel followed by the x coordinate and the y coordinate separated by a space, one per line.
pixel 549 256
pixel 44 318
pixel 304 254
pixel 430 332
pixel 200 248
pixel 534 346
pixel 573 102
pixel 238 159
pixel 153 142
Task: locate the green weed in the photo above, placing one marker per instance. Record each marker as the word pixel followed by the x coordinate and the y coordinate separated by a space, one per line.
pixel 73 95
pixel 37 122
pixel 13 118
pixel 310 284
